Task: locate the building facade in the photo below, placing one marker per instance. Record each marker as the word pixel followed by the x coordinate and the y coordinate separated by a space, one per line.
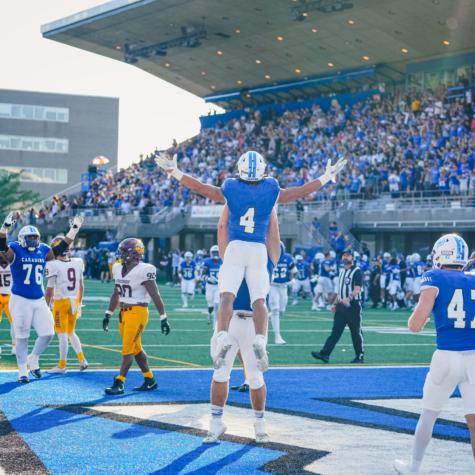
pixel 54 137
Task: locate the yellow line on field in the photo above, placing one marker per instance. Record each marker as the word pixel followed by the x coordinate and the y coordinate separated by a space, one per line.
pixel 148 356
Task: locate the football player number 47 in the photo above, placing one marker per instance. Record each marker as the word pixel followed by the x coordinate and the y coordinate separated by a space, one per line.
pixel 247 220
pixel 455 309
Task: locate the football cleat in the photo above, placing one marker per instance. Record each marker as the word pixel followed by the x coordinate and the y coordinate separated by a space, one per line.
pixel 319 356
pixel 148 385
pixel 57 370
pixel 216 429
pixel 402 467
pixel 224 345
pixel 208 320
pixel 358 360
pixel 260 427
pixel 259 346
pixel 13 352
pixel 83 365
pixel 116 389
pixel 295 302
pixel 185 305
pixel 23 379
pixel 316 307
pixel 279 340
pixel 244 388
pixel 34 368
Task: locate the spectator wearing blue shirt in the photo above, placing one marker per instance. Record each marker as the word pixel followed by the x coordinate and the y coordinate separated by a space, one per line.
pixel 316 224
pixel 434 177
pixel 355 186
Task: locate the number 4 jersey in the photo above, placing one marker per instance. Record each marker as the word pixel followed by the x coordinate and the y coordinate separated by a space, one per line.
pixel 65 277
pixel 130 285
pixel 27 271
pixel 454 308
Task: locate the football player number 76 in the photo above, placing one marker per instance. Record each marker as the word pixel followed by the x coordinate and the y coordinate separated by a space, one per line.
pixel 247 220
pixel 455 309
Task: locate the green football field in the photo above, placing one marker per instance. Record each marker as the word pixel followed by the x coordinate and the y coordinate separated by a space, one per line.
pixel 387 339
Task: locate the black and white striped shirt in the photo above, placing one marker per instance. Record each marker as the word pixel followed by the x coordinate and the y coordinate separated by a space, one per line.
pixel 348 279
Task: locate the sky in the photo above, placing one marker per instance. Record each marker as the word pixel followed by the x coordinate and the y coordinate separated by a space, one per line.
pixel 152 112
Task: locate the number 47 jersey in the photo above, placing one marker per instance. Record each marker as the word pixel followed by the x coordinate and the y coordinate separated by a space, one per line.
pixel 454 308
pixel 130 285
pixel 66 275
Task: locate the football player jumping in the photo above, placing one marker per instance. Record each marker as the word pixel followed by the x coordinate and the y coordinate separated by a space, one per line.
pixel 66 288
pixel 251 199
pixel 447 292
pixel 135 286
pixel 27 259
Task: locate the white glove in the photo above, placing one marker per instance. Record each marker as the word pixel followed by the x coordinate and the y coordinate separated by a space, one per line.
pixel 212 280
pixel 332 171
pixel 314 278
pixel 75 224
pixel 78 314
pixel 8 223
pixel 170 166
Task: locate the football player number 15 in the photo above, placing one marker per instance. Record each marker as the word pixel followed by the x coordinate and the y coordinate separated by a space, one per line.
pixel 455 309
pixel 38 274
pixel 247 220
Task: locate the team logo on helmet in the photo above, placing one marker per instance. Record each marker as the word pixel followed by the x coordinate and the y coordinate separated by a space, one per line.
pixel 131 249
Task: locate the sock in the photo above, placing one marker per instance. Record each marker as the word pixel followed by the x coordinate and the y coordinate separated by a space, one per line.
pixel 12 333
pixel 76 344
pixel 275 322
pixel 244 368
pixel 41 344
pixel 216 412
pixel 149 374
pixel 185 299
pixel 422 437
pixel 261 336
pixel 216 307
pixel 295 295
pixel 21 351
pixel 259 414
pixel 63 348
pixel 222 334
pixel 192 296
pixel 23 370
pixel 121 378
pixel 62 364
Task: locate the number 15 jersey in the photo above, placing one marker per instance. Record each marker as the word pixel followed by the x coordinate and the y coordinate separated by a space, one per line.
pixel 66 277
pixel 131 286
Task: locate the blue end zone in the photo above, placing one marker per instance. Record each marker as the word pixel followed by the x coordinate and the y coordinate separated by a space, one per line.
pixel 75 442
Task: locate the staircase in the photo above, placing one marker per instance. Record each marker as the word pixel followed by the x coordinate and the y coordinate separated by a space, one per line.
pixel 339 216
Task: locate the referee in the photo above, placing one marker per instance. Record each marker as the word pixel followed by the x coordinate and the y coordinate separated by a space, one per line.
pixel 347 310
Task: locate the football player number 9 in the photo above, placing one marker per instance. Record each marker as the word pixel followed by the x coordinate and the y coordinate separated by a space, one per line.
pixel 72 278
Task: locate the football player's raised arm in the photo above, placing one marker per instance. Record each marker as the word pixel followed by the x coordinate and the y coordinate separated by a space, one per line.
pixel 7 225
pixel 223 231
pixel 171 167
pixel 273 238
pixel 58 250
pixel 423 309
pixel 297 192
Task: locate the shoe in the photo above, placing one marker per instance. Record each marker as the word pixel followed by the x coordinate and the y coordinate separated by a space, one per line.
pixel 216 429
pixel 224 345
pixel 319 356
pixel 329 308
pixel 83 365
pixel 208 320
pixel 260 427
pixel 23 379
pixel 402 467
pixel 358 360
pixel 321 305
pixel 13 352
pixel 34 368
pixel 279 340
pixel 185 305
pixel 295 302
pixel 57 370
pixel 168 283
pixel 241 389
pixel 314 306
pixel 148 385
pixel 259 346
pixel 116 389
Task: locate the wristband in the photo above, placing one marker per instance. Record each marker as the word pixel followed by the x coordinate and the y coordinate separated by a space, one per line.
pixel 108 312
pixel 351 297
pixel 324 179
pixel 163 317
pixel 177 174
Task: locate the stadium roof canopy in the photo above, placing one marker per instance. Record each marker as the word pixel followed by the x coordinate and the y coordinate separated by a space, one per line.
pixel 210 47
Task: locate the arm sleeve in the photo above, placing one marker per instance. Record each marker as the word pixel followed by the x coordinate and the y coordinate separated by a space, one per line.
pixel 60 248
pixel 358 278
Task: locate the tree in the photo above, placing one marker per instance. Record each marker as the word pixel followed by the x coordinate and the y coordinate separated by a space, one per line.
pixel 11 197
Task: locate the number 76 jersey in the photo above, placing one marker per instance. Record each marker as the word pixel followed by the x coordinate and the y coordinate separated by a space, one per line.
pixel 130 285
pixel 66 276
pixel 454 308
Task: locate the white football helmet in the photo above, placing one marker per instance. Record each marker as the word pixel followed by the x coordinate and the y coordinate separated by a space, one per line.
pixel 188 256
pixel 409 259
pixel 199 253
pixel 450 250
pixel 357 255
pixel 251 167
pixel 319 256
pixel 298 259
pixel 365 258
pixel 214 252
pixel 386 254
pixel 29 238
pixel 416 257
pixel 332 254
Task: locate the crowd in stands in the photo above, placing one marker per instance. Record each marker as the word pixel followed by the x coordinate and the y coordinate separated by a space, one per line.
pixel 403 143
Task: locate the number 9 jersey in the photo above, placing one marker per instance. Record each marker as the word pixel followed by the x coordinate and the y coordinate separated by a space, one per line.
pixel 130 285
pixel 65 277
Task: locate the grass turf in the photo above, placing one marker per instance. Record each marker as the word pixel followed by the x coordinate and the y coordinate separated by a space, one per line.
pixel 387 339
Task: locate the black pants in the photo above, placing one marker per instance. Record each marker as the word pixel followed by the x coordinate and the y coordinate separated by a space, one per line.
pixel 350 316
pixel 375 293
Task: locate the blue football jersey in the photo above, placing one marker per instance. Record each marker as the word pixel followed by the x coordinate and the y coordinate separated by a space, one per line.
pixel 199 262
pixel 385 267
pixel 321 268
pixel 213 268
pixel 281 271
pixel 395 272
pixel 250 208
pixel 188 270
pixel 363 265
pixel 303 271
pixel 27 271
pixel 454 308
pixel 243 299
pixel 418 268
